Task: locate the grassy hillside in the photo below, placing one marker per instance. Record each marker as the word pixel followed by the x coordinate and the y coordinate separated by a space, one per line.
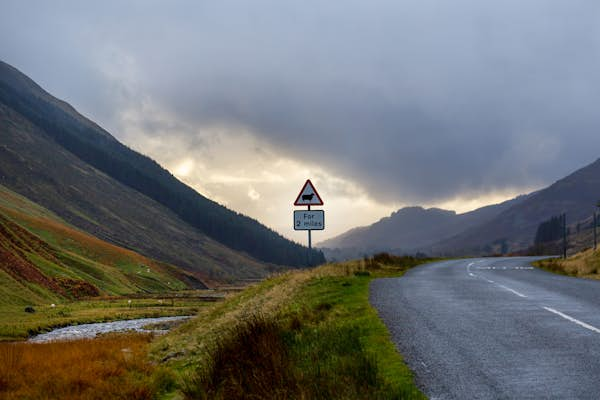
pixel 34 166
pixel 44 259
pixel 307 334
pixel 514 229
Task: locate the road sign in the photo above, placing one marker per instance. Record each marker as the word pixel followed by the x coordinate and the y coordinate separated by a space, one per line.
pixel 309 220
pixel 308 196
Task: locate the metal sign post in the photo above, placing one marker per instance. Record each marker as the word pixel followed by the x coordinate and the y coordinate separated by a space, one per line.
pixel 309 245
pixel 595 224
pixel 309 220
pixel 564 217
pixel 596 217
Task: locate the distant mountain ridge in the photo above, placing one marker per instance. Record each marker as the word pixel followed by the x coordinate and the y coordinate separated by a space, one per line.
pixel 514 228
pixel 63 161
pixel 502 228
pixel 411 229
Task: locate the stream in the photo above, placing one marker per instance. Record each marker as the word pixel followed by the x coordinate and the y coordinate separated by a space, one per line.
pixel 86 331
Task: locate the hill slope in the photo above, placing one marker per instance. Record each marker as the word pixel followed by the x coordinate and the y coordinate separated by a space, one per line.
pixel 61 160
pixel 410 229
pixel 576 195
pixel 44 259
pixel 501 228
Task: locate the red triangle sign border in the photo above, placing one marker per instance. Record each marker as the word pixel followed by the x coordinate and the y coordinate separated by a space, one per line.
pixel 299 198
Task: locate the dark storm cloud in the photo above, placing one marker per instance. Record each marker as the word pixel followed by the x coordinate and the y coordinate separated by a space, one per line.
pixel 417 101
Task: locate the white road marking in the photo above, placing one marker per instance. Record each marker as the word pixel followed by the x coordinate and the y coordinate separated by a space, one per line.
pixel 512 290
pixel 578 322
pixel 469 269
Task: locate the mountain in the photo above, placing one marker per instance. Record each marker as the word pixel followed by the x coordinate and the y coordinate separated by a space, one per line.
pixel 42 258
pixel 409 230
pixel 502 228
pixel 59 159
pixel 515 228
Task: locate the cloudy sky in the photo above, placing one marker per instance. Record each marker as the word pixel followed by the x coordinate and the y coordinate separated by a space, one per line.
pixel 382 104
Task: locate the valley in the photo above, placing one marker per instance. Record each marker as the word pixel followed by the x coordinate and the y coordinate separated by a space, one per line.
pixel 150 153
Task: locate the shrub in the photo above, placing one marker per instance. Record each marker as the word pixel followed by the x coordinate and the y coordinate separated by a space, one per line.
pixel 248 362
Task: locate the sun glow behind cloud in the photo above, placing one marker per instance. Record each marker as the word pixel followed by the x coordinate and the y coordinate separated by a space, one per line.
pixel 236 168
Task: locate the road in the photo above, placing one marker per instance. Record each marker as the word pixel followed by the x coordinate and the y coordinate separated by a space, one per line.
pixel 495 328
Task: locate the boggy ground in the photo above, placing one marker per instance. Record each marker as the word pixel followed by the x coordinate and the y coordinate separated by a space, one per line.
pixel 111 367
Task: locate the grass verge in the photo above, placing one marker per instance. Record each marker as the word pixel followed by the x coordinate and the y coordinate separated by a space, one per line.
pixel 301 335
pixel 585 264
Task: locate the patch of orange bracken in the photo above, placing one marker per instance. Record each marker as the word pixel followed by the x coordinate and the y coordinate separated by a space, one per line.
pixel 113 367
pixel 16 242
pixel 94 248
pixel 77 288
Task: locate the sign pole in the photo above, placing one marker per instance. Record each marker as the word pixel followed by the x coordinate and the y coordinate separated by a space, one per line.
pixel 595 235
pixel 309 245
pixel 564 235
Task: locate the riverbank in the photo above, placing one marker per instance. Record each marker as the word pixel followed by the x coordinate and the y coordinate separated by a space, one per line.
pixel 18 324
pixel 158 325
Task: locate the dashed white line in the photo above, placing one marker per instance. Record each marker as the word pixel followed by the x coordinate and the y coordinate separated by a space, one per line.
pixel 512 290
pixel 569 318
pixel 552 310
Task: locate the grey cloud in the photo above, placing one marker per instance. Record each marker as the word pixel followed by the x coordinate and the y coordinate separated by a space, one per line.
pixel 416 101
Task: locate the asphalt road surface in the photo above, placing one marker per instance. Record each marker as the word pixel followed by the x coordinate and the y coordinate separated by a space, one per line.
pixel 495 328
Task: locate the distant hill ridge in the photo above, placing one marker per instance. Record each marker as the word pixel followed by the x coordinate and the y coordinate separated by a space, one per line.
pixel 514 228
pixel 410 230
pixel 31 117
pixel 502 228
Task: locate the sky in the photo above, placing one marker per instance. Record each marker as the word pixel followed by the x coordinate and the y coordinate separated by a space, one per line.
pixel 382 104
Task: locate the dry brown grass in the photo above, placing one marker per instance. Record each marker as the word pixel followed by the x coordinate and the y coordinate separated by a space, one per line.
pixel 113 367
pixel 585 264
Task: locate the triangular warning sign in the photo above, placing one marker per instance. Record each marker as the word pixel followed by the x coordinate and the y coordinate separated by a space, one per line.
pixel 308 196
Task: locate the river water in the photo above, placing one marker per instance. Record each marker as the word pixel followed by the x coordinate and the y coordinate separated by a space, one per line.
pixel 85 331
